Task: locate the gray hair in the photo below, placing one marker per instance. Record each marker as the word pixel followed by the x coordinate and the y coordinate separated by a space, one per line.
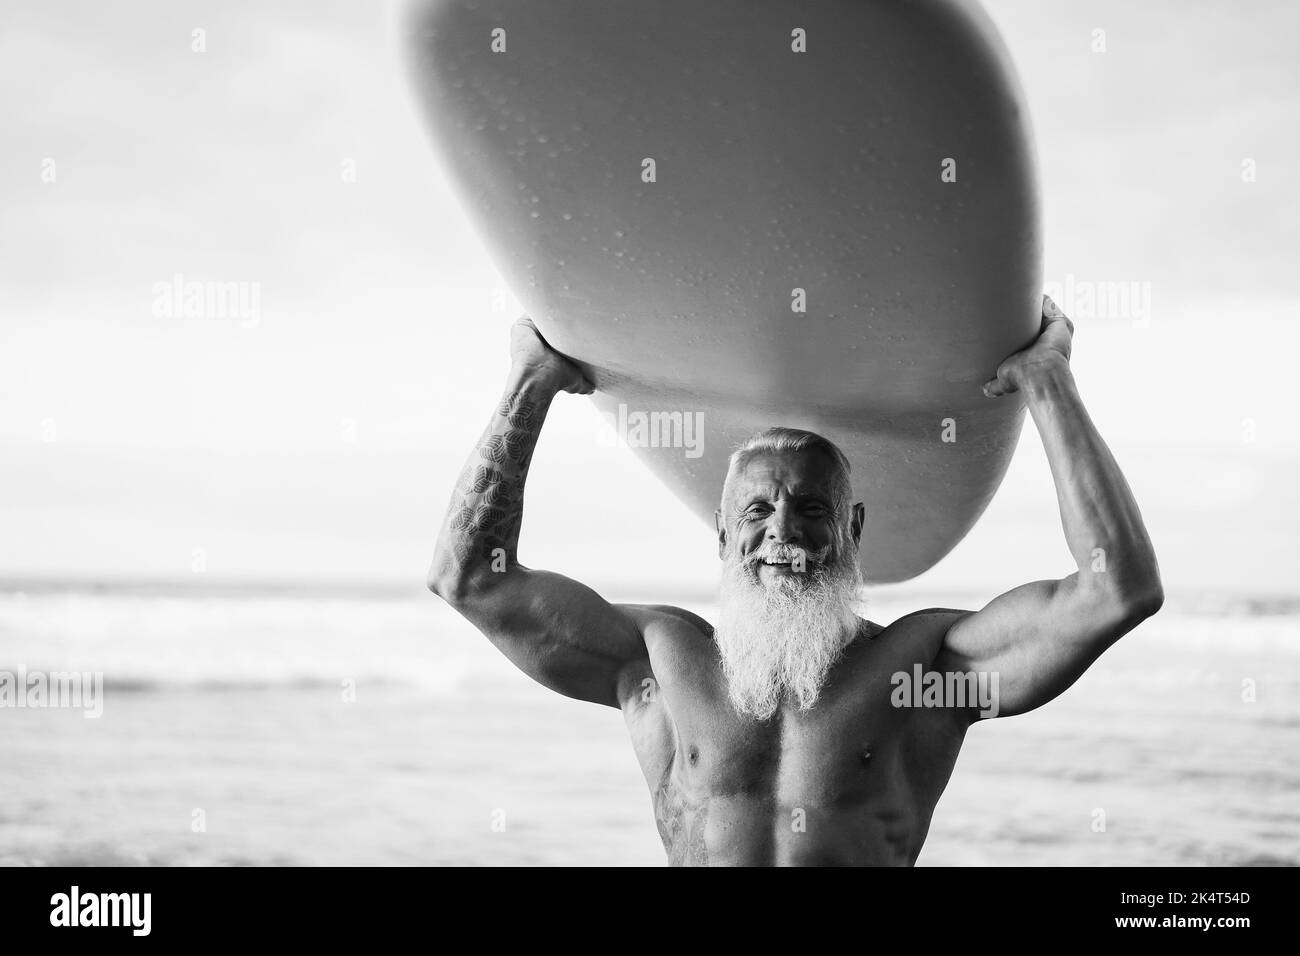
pixel 781 440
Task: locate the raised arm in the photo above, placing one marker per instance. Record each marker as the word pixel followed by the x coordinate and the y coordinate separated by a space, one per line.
pixel 559 632
pixel 1039 638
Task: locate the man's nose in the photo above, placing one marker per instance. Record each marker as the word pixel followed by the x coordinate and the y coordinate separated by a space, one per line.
pixel 782 527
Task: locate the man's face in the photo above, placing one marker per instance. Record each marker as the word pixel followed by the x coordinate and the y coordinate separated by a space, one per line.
pixel 783 507
pixel 788 542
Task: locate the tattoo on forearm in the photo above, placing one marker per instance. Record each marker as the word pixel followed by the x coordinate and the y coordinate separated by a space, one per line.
pixel 487 505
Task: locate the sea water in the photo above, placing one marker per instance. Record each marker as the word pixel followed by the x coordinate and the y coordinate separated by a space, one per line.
pixel 318 727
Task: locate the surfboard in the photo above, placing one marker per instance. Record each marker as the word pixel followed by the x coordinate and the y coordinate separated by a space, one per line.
pixel 822 215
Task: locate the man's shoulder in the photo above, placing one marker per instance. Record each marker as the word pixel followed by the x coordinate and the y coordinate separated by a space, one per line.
pixel 930 619
pixel 678 620
pixel 921 635
pixel 674 638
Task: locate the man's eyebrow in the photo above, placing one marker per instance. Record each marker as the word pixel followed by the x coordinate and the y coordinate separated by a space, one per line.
pixel 799 495
pixel 814 494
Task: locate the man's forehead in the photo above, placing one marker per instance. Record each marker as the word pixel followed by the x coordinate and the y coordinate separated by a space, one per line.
pixel 806 472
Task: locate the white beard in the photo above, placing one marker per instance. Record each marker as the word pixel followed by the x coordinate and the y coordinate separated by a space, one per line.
pixel 782 640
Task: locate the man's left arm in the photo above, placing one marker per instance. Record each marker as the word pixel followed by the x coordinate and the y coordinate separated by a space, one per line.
pixel 1039 638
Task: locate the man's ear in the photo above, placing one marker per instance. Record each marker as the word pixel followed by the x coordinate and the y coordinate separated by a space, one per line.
pixel 721 528
pixel 859 515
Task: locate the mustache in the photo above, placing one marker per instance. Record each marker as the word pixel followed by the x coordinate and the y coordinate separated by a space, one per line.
pixel 772 552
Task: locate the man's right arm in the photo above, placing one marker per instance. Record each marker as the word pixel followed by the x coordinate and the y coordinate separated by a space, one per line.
pixel 559 632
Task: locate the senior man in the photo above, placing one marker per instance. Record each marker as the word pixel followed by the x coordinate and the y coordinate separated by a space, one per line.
pixel 779 737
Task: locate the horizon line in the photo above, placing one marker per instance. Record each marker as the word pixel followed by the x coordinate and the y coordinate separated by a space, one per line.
pixel 1256 602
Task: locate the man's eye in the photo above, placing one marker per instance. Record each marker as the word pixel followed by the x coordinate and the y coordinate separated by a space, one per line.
pixel 755 510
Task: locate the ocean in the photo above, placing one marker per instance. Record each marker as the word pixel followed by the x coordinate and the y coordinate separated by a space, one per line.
pixel 264 726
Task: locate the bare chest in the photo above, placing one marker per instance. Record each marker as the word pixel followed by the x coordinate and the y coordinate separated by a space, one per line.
pixel 854 763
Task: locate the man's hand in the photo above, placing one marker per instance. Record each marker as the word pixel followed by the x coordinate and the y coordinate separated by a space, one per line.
pixel 1052 347
pixel 532 359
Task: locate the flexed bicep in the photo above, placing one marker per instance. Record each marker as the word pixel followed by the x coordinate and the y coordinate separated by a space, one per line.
pixel 559 632
pixel 1032 643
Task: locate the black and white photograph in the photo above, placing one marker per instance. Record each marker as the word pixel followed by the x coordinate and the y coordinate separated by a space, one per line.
pixel 628 433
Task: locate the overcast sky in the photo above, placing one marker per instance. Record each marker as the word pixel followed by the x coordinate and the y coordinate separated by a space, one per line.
pixel 322 441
